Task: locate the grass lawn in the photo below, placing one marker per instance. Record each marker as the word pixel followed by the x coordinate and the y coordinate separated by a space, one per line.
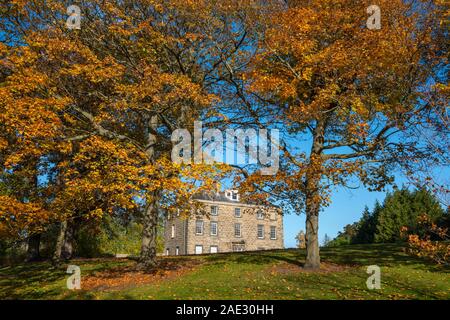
pixel 252 275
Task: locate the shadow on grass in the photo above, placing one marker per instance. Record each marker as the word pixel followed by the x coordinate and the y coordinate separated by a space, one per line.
pixel 354 287
pixel 258 257
pixel 351 255
pixel 377 254
pixel 38 280
pixel 30 279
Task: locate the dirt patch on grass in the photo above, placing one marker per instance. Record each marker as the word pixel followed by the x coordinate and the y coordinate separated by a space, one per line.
pixel 290 268
pixel 123 277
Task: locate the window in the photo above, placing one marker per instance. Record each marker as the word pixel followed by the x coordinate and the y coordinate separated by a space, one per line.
pixel 213 228
pixel 177 251
pixel 237 212
pixel 199 227
pixel 173 231
pixel 260 215
pixel 214 249
pixel 273 232
pixel 237 229
pixel 234 196
pixel 198 249
pixel 214 210
pixel 167 251
pixel 238 247
pixel 260 231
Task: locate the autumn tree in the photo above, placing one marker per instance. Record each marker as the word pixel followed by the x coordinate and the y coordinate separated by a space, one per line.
pixel 435 133
pixel 106 97
pixel 300 237
pixel 27 130
pixel 349 93
pixel 433 244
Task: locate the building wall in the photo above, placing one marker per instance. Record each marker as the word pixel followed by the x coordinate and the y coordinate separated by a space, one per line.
pixel 226 238
pixel 179 239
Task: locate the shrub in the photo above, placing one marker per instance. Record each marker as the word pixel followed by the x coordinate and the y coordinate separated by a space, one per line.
pixel 423 246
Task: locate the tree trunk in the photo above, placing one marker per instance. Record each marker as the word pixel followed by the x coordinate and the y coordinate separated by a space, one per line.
pixel 312 241
pixel 56 259
pixel 69 238
pixel 34 243
pixel 147 259
pixel 313 197
pixel 65 241
pixel 312 222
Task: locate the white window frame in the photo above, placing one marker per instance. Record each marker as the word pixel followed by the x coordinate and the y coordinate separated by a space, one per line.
pixel 240 213
pixel 216 211
pixel 198 246
pixel 274 228
pixel 210 249
pixel 173 231
pixel 240 230
pixel 177 251
pixel 202 227
pixel 167 252
pixel 258 229
pixel 211 229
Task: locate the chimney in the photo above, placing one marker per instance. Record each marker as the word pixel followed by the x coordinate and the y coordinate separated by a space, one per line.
pixel 216 187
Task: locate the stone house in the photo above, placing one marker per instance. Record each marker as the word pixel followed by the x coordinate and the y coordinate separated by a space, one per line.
pixel 225 225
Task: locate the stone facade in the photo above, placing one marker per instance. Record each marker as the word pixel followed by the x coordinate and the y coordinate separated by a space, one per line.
pixel 223 229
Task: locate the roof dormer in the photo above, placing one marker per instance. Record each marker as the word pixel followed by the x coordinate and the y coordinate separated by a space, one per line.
pixel 232 195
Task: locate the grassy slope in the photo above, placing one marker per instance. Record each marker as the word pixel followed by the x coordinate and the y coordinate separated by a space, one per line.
pixel 258 275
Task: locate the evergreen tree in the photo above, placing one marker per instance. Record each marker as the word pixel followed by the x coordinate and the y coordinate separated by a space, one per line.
pixel 345 237
pixel 366 228
pixel 402 208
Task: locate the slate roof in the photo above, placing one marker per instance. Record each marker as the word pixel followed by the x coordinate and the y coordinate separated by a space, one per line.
pixel 214 196
pixel 221 197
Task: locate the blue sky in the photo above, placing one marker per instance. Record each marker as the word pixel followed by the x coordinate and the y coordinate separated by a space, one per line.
pixel 346 207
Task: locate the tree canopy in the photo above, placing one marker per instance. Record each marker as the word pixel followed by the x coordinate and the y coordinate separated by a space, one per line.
pixel 87 114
